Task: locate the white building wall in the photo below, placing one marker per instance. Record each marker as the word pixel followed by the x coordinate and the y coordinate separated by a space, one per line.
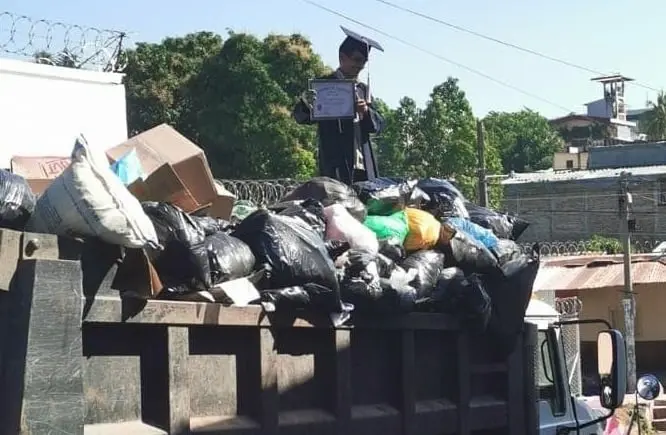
pixel 43 108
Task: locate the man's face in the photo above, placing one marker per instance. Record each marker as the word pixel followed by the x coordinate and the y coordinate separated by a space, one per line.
pixel 353 64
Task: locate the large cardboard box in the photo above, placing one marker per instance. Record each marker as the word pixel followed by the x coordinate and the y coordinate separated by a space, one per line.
pixel 223 204
pixel 165 154
pixel 39 172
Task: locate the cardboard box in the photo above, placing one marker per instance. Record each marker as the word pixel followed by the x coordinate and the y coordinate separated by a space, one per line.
pixel 223 204
pixel 39 172
pixel 189 173
pixel 164 185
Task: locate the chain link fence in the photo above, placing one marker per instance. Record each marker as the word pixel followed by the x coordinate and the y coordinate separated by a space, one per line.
pixel 570 309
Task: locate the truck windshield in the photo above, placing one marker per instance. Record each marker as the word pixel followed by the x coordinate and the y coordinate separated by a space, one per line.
pixel 549 386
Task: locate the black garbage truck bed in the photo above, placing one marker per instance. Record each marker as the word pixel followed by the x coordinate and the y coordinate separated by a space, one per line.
pixel 76 358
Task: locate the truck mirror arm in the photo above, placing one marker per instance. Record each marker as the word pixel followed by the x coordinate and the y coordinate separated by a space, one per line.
pixel 567 429
pixel 583 322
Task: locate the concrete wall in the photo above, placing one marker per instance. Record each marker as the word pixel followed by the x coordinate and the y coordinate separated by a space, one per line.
pixel 43 108
pixel 579 160
pixel 607 304
pixel 578 209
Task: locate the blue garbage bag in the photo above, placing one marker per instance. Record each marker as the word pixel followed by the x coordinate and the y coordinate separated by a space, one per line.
pixel 128 168
pixel 483 235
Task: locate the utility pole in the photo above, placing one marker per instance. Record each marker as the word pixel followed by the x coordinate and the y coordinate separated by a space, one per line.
pixel 481 171
pixel 628 299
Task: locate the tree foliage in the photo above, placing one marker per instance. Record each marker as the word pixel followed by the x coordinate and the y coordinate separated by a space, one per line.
pixel 436 141
pixel 525 141
pixel 654 120
pixel 233 98
pixel 64 58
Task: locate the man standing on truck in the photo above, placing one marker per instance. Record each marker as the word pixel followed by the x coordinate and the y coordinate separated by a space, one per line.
pixel 345 150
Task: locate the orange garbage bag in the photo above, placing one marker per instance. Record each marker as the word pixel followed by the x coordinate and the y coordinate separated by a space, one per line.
pixel 424 230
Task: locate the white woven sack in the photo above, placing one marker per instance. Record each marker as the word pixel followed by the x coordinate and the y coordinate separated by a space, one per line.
pixel 88 199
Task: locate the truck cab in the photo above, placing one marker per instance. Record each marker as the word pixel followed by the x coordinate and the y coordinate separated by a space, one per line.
pixel 556 405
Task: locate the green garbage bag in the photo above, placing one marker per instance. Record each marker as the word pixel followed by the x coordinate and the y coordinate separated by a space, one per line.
pixel 242 209
pixel 393 227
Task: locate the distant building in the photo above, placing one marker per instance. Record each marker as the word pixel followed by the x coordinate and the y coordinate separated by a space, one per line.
pixel 607 121
pixel 573 159
pixel 577 204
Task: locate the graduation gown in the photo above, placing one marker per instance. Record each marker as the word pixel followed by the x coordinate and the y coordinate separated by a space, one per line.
pixel 345 150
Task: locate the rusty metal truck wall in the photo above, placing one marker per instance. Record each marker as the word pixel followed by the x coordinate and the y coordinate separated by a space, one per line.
pixel 74 357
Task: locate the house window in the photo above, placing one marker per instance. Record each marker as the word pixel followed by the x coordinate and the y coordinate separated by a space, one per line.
pixel 662 192
pixel 569 164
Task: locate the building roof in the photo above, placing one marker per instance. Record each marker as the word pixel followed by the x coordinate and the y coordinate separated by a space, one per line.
pixel 598 271
pixel 579 117
pixel 549 175
pixel 637 112
pixel 612 78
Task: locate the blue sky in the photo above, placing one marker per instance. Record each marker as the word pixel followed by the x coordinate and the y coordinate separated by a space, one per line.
pixel 605 35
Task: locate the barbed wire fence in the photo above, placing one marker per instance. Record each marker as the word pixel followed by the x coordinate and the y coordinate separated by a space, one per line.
pixel 61 44
pixel 586 247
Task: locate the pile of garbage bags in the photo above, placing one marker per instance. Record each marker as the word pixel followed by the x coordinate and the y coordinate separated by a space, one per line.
pixel 381 247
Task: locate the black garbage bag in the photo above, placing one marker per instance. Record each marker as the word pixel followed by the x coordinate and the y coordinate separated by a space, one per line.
pixel 302 298
pixel 503 225
pixel 396 298
pixel 469 254
pixel 211 225
pixel 506 250
pixel 336 248
pixel 445 200
pixel 392 249
pixel 385 266
pixel 464 297
pixel 428 264
pixel 328 191
pixel 229 257
pixel 17 202
pixel 294 253
pixel 384 196
pixel 510 292
pixel 397 295
pixel 360 284
pixel 311 212
pixel 183 261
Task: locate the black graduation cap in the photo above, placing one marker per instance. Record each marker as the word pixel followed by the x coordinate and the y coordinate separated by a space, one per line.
pixel 364 43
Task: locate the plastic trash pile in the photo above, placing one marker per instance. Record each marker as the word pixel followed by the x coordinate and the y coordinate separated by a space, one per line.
pixel 379 248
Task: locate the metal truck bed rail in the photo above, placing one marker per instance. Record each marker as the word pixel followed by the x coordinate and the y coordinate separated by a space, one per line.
pixel 76 358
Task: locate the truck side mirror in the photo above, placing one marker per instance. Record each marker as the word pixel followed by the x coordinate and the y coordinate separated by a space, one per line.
pixel 612 363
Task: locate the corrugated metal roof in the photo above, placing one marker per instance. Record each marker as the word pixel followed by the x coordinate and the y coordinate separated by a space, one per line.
pixel 596 272
pixel 555 176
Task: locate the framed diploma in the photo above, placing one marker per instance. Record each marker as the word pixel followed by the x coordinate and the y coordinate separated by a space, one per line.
pixel 335 99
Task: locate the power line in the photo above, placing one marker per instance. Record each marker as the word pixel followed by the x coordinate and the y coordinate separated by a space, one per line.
pixel 440 57
pixel 505 43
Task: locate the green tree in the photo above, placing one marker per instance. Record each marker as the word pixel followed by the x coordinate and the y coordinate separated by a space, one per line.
pixel 157 78
pixel 402 135
pixel 525 140
pixel 654 120
pixel 242 109
pixel 233 98
pixel 449 141
pixel 65 58
pixel 438 141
